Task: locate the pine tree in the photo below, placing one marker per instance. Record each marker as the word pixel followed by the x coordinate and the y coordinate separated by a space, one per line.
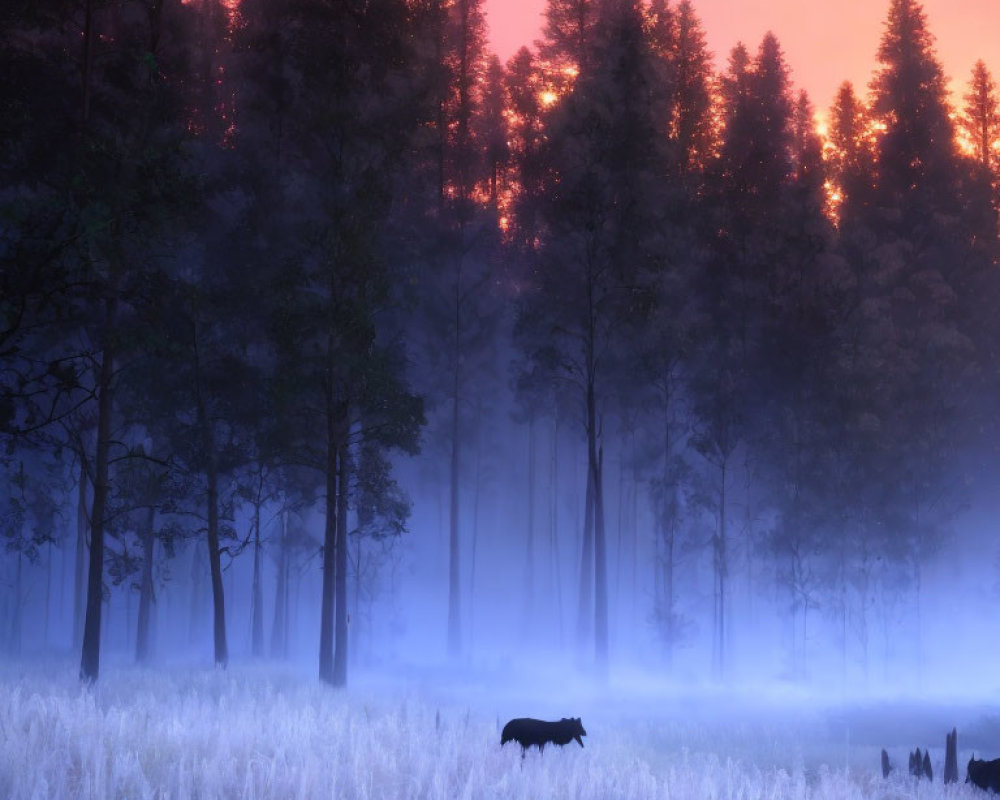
pixel 492 130
pixel 744 214
pixel 981 121
pixel 796 347
pixel 851 158
pixel 807 149
pixel 907 348
pixel 692 128
pixel 457 250
pixel 597 206
pixel 527 136
pixel 916 161
pixel 567 35
pixel 659 21
pixel 683 99
pixel 681 106
pixel 352 102
pixel 465 61
pixel 981 126
pixel 97 177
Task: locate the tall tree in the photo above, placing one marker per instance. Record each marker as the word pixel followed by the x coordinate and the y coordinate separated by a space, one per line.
pixel 29 509
pixel 116 190
pixel 851 158
pixel 981 121
pixel 492 129
pixel 686 78
pixel 567 36
pixel 523 85
pixel 796 343
pixel 915 152
pixel 911 255
pixel 746 185
pixel 981 126
pixel 682 109
pixel 336 367
pixel 692 124
pixel 606 162
pixel 460 311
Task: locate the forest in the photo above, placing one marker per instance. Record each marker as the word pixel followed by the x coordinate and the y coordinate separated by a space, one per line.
pixel 326 335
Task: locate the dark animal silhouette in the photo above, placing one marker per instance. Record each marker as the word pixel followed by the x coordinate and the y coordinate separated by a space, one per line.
pixel 886 766
pixel 527 732
pixel 984 774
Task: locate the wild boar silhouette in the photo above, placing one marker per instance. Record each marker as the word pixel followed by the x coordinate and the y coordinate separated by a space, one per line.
pixel 984 774
pixel 527 732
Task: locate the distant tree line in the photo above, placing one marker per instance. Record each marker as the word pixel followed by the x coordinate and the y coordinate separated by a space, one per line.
pixel 251 253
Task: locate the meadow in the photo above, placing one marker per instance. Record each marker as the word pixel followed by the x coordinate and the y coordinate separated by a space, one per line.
pixel 261 732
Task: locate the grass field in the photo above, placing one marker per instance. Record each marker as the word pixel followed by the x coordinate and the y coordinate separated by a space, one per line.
pixel 269 732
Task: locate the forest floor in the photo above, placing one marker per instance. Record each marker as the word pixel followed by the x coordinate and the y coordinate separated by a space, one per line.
pixel 267 731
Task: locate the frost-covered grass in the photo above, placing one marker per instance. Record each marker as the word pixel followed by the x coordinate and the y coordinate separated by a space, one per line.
pixel 258 732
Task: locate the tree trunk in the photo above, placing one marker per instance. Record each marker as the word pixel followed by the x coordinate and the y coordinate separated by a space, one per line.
pixel 746 606
pixel 595 458
pixel 106 620
pixel 329 553
pixel 127 592
pixel 17 607
pixel 529 567
pixel 142 649
pixel 556 566
pixel 918 591
pixel 257 599
pixel 864 582
pixel 81 556
pixel 719 563
pixel 356 630
pixel 600 572
pixel 279 627
pixel 195 618
pixel 668 529
pixel 477 492
pixel 668 591
pixel 48 596
pixel 343 491
pixel 793 605
pixel 635 530
pixel 842 597
pixel 805 636
pixel 215 562
pixel 951 757
pixel 90 657
pixel 585 611
pixel 454 563
pixel 620 529
pixel 206 427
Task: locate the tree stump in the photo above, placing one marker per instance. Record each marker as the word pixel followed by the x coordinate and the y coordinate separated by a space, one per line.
pixel 951 756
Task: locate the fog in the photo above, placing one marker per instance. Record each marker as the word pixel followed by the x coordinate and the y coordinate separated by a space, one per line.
pixel 520 598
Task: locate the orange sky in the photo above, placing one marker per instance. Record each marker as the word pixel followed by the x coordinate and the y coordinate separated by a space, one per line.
pixel 822 50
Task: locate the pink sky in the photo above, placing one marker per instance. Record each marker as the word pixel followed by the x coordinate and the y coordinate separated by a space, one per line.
pixel 824 43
